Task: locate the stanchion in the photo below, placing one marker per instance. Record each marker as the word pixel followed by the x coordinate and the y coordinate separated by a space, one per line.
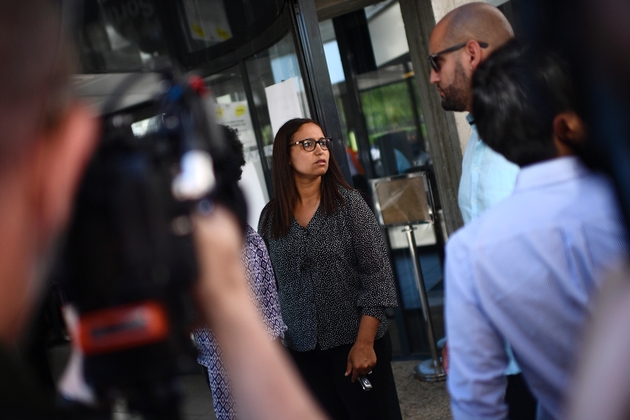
pixel 403 200
pixel 431 369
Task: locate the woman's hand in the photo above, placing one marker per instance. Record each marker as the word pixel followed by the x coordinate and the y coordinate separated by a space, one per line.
pixel 362 357
pixel 361 360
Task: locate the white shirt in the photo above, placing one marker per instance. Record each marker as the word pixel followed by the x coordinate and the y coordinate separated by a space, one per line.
pixel 525 272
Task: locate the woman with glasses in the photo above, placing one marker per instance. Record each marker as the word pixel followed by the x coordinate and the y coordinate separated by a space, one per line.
pixel 334 277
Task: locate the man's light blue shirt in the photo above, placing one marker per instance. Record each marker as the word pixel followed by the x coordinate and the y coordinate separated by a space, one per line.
pixel 525 272
pixel 487 177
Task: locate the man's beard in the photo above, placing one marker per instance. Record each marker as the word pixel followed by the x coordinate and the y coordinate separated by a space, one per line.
pixel 456 95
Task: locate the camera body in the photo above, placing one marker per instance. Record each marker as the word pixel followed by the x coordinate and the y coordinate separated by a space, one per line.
pixel 129 260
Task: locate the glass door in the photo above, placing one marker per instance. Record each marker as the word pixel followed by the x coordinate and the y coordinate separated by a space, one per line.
pixel 256 97
pixel 384 133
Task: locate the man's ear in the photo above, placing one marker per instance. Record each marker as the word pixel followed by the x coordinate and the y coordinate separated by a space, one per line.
pixel 474 54
pixel 61 156
pixel 569 128
pixel 569 133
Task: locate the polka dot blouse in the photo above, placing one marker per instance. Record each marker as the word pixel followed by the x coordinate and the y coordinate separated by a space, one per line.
pixel 330 273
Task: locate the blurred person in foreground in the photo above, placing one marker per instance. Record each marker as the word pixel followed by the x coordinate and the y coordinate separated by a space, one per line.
pixel 47 139
pixel 527 271
pixel 262 284
pixel 596 36
pixel 334 276
pixel 459 43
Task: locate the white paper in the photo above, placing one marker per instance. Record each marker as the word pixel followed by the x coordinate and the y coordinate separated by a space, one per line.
pixel 283 102
pixel 236 115
pixel 207 20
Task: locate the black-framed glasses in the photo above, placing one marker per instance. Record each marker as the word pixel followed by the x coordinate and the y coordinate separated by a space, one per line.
pixel 433 57
pixel 310 144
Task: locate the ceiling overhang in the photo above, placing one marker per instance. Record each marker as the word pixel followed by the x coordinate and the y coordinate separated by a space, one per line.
pixel 328 9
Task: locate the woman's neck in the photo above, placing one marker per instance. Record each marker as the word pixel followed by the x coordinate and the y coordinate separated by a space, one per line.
pixel 307 203
pixel 309 190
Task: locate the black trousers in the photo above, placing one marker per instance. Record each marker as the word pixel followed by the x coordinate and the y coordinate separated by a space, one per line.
pixel 323 371
pixel 521 403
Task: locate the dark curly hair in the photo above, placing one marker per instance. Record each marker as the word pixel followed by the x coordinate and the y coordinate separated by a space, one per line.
pixel 517 93
pixel 230 163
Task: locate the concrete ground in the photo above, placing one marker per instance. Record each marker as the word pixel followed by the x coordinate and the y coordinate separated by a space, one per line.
pixel 420 400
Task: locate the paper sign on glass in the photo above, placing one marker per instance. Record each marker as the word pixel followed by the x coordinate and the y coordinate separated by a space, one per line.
pixel 283 102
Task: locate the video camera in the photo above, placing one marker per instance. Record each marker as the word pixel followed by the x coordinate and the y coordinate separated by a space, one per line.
pixel 129 259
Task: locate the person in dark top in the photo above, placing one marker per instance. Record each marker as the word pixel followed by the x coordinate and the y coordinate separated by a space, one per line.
pixel 334 276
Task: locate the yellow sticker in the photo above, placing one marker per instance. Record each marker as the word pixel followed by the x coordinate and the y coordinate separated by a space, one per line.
pixel 197 29
pixel 240 110
pixel 219 112
pixel 223 34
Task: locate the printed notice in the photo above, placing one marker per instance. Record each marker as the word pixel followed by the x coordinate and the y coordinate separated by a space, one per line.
pixel 236 115
pixel 207 20
pixel 283 102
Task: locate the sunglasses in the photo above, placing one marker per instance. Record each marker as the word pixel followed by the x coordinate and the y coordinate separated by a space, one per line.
pixel 310 144
pixel 433 57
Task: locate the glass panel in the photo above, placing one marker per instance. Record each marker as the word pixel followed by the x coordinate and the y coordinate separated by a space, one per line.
pixel 126 35
pixel 232 109
pixel 206 23
pixel 392 118
pixel 386 112
pixel 278 89
pixel 119 36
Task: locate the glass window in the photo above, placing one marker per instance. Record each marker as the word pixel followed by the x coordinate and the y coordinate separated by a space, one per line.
pixel 119 36
pixel 392 118
pixel 233 110
pixel 384 133
pixel 206 23
pixel 277 88
pixel 127 35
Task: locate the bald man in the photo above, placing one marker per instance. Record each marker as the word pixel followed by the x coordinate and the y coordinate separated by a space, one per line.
pixel 463 39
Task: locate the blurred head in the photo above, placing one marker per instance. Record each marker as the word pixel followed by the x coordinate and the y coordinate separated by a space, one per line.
pixel 291 162
pixel 231 163
pixel 524 105
pixel 45 141
pixel 458 43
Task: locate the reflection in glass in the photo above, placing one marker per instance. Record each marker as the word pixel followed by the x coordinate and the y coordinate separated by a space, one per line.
pixel 389 103
pixel 119 36
pixel 207 23
pixel 147 126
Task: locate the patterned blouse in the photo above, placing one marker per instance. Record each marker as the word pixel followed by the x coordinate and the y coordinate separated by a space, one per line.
pixel 263 292
pixel 330 273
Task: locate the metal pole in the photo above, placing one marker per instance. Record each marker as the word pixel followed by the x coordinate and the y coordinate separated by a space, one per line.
pixel 431 369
